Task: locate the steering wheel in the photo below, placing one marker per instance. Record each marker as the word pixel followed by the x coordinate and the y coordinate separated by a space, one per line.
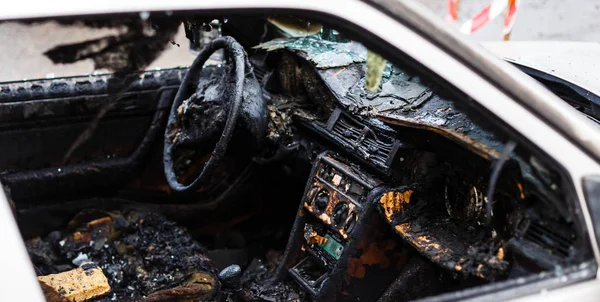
pixel 231 89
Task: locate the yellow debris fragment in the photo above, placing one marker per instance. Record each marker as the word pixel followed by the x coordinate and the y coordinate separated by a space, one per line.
pixel 375 67
pixel 75 285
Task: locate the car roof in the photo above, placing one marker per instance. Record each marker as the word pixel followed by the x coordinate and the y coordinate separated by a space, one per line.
pixel 26 9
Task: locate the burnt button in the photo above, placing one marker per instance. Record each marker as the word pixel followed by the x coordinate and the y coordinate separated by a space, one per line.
pixel 351 222
pixel 311 195
pixel 321 201
pixel 340 214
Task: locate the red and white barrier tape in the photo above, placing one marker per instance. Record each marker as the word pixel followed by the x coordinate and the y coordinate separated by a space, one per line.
pixel 453 10
pixel 509 20
pixel 486 15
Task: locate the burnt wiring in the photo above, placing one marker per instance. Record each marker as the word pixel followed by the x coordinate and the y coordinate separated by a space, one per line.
pixel 496 169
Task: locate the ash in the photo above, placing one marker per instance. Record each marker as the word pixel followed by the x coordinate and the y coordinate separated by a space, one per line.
pixel 143 253
pixel 139 253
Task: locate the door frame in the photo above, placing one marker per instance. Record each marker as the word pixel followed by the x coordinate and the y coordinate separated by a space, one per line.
pixel 391 36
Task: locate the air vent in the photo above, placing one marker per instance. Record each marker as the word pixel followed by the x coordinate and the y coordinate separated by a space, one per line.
pixel 374 147
pixel 383 150
pixel 549 238
pixel 347 130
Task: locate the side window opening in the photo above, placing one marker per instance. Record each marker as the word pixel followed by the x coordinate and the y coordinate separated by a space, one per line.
pixel 346 174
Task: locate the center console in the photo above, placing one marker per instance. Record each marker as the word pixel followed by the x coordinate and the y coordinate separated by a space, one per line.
pixel 339 245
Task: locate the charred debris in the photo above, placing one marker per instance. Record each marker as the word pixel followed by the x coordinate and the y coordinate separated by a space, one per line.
pixel 272 175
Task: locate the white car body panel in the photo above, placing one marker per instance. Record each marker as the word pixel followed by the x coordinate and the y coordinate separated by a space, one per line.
pixel 574 62
pixel 17 280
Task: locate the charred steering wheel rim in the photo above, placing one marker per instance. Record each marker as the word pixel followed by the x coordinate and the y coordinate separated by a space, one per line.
pixel 236 52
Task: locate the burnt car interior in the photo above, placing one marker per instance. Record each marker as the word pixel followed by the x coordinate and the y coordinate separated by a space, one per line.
pixel 288 162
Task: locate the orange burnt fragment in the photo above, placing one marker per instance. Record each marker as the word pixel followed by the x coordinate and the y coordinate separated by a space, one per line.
pixel 99 222
pixel 82 236
pixel 395 202
pixel 375 254
pixel 356 268
pixel 402 229
pixel 521 193
pixel 500 254
pixel 315 238
pixel 422 242
pixel 479 271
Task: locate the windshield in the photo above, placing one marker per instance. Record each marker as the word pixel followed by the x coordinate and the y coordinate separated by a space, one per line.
pixel 24 57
